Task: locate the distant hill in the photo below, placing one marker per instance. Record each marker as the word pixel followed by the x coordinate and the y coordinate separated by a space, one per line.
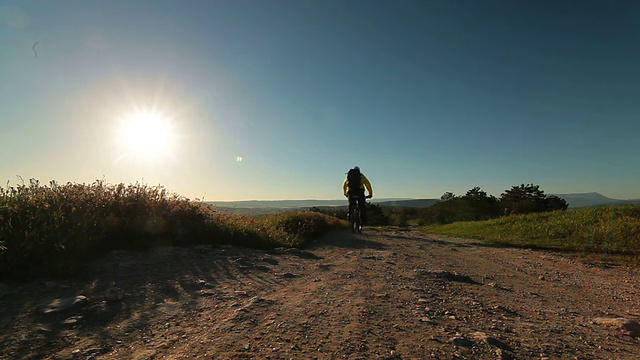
pixel 270 206
pixel 290 204
pixel 593 199
pixel 576 200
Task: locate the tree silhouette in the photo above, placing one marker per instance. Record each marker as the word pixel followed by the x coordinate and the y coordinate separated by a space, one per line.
pixel 523 199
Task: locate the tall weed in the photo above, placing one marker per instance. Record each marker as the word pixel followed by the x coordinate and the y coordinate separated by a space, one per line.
pixel 57 229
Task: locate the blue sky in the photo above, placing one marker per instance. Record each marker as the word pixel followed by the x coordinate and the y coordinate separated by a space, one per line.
pixel 278 99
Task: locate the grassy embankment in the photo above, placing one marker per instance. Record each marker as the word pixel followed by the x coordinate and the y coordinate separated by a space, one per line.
pixel 56 230
pixel 596 230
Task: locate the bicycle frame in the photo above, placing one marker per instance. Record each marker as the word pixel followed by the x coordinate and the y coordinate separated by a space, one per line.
pixel 355 221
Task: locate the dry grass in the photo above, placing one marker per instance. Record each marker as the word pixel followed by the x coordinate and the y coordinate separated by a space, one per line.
pixel 56 229
pixel 605 229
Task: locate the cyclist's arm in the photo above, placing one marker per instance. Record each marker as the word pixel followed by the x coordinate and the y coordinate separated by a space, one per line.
pixel 344 187
pixel 367 184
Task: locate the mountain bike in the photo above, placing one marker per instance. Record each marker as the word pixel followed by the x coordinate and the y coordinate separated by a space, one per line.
pixel 355 219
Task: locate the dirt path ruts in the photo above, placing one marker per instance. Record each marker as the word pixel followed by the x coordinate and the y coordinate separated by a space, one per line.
pixel 393 295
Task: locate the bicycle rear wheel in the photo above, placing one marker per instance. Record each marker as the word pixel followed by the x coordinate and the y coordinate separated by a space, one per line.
pixel 356 222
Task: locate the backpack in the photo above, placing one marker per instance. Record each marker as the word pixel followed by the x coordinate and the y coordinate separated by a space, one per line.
pixel 353 179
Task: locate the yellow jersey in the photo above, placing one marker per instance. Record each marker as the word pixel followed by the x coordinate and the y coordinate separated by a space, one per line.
pixel 364 183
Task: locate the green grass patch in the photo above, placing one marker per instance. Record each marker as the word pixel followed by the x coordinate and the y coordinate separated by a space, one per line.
pixel 56 230
pixel 605 229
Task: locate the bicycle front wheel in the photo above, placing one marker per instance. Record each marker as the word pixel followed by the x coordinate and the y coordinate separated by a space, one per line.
pixel 356 223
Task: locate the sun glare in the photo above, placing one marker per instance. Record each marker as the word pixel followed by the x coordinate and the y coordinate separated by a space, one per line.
pixel 146 135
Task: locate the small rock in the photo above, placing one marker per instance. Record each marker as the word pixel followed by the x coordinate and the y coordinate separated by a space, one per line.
pixel 114 294
pixel 201 284
pixel 244 262
pixel 288 275
pixel 44 330
pixel 72 320
pixel 505 310
pixel 257 299
pixel 94 351
pixel 59 305
pixel 98 309
pixel 462 341
pixel 427 320
pixel 628 326
pixel 270 260
pixel 490 340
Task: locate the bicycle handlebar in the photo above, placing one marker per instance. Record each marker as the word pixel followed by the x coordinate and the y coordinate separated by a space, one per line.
pixel 366 197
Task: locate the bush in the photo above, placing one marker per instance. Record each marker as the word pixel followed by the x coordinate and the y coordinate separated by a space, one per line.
pixel 476 205
pixel 57 229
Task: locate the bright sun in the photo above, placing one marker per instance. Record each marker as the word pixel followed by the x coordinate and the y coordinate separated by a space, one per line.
pixel 146 135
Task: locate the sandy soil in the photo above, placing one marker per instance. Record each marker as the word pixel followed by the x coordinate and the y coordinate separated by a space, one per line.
pixel 388 295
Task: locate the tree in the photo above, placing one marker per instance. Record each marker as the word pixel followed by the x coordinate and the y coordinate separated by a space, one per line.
pixel 479 205
pixel 556 203
pixel 447 196
pixel 523 199
pixel 474 205
pixel 475 194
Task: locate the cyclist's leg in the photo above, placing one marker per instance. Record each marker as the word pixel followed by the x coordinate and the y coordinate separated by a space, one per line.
pixel 363 208
pixel 352 203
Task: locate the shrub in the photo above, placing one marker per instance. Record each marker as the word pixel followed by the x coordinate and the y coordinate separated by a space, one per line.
pixel 57 229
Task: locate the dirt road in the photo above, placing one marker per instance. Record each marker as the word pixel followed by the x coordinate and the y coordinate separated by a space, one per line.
pixel 389 295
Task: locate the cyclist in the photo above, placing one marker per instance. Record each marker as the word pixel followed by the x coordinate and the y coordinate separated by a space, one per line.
pixel 353 188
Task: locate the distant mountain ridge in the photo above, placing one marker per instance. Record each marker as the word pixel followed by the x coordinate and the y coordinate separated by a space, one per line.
pixel 575 200
pixel 289 204
pixel 578 200
pixel 252 207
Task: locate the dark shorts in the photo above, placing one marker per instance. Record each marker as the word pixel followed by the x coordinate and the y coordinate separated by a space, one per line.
pixel 357 198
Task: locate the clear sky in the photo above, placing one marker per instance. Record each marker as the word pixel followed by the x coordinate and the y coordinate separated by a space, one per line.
pixel 254 99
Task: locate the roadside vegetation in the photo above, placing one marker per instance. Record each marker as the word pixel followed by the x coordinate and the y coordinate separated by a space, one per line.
pixel 604 229
pixel 57 229
pixel 524 216
pixel 476 205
